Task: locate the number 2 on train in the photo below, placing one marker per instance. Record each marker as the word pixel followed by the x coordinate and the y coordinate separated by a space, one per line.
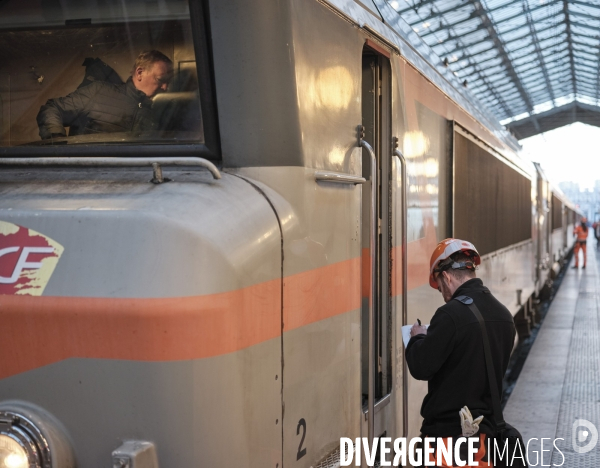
pixel 301 451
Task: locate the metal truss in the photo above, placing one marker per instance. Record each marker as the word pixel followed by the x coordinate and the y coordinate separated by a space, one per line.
pixel 520 57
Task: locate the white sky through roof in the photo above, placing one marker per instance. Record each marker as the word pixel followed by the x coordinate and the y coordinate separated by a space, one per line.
pixel 567 154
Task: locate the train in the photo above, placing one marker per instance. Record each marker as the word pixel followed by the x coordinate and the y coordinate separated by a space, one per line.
pixel 229 289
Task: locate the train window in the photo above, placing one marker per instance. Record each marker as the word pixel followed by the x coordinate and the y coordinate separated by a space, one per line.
pixel 66 73
pixel 492 201
pixel 557 209
pixel 429 151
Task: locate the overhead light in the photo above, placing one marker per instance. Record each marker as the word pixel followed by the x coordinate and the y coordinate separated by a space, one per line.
pixel 426 25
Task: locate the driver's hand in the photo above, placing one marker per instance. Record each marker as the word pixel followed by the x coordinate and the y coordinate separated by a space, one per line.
pixel 418 330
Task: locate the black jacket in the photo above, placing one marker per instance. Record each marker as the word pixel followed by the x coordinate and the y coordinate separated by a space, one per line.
pixel 451 358
pixel 99 107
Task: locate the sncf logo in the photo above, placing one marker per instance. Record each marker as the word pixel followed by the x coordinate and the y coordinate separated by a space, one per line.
pixel 23 263
pixel 27 260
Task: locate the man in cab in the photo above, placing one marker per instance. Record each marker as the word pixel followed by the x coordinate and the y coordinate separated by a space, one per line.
pixel 102 107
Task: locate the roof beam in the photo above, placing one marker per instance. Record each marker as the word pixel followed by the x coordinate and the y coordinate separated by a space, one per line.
pixel 584 15
pixel 524 36
pixel 589 79
pixel 591 83
pixel 582 25
pixel 489 25
pixel 585 4
pixel 552 66
pixel 415 7
pixel 515 50
pixel 440 14
pixel 431 31
pixel 484 79
pixel 598 78
pixel 556 117
pixel 554 60
pixel 584 67
pixel 547 61
pixel 587 46
pixel 585 54
pixel 496 56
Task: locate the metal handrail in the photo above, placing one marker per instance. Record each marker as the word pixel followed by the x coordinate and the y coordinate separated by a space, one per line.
pixel 114 162
pixel 403 213
pixel 338 177
pixel 372 287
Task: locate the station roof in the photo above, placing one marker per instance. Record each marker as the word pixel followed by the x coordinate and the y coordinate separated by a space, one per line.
pixel 534 63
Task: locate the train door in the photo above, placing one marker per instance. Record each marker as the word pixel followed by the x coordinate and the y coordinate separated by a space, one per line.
pixel 376 312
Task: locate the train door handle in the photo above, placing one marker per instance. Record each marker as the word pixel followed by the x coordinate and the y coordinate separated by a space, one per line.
pixel 404 215
pixel 373 225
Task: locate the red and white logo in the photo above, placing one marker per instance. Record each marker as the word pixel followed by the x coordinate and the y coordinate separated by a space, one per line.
pixel 27 260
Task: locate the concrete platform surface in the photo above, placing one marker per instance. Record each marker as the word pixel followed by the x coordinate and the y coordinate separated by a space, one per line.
pixel 557 395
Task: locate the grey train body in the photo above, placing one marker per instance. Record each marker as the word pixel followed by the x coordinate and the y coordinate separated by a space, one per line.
pixel 225 321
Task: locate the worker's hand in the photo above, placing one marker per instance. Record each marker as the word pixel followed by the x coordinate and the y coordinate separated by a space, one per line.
pixel 469 427
pixel 418 330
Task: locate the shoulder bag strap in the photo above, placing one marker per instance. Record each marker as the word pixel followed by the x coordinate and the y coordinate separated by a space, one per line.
pixel 500 424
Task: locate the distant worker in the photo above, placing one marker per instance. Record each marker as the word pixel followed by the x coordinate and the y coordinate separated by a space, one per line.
pixel 581 231
pixel 450 353
pixel 102 107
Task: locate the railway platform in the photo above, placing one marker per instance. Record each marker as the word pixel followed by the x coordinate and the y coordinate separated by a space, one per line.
pixel 560 382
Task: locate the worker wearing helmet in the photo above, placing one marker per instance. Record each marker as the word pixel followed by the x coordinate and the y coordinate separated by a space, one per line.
pixel 450 354
pixel 581 233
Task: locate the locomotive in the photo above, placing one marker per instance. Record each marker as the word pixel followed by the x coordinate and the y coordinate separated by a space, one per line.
pixel 229 290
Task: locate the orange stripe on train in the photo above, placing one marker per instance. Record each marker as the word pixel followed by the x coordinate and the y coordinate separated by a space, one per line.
pixel 41 330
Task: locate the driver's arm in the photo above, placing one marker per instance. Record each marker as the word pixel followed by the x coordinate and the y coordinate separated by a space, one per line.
pixel 59 113
pixel 426 354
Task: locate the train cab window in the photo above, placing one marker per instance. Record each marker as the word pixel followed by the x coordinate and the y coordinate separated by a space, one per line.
pixel 66 73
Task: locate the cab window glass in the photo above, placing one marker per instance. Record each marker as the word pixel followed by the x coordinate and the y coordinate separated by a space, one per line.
pixel 73 72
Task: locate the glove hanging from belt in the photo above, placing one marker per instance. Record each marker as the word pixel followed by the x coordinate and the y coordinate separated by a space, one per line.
pixel 469 426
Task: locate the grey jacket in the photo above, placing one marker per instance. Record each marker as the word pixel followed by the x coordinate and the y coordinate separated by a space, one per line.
pixel 99 107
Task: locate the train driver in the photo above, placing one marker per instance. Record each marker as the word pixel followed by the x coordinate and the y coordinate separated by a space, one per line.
pixel 450 353
pixel 102 107
pixel 581 231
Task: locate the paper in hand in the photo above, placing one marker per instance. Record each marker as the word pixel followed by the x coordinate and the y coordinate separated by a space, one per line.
pixel 406 333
